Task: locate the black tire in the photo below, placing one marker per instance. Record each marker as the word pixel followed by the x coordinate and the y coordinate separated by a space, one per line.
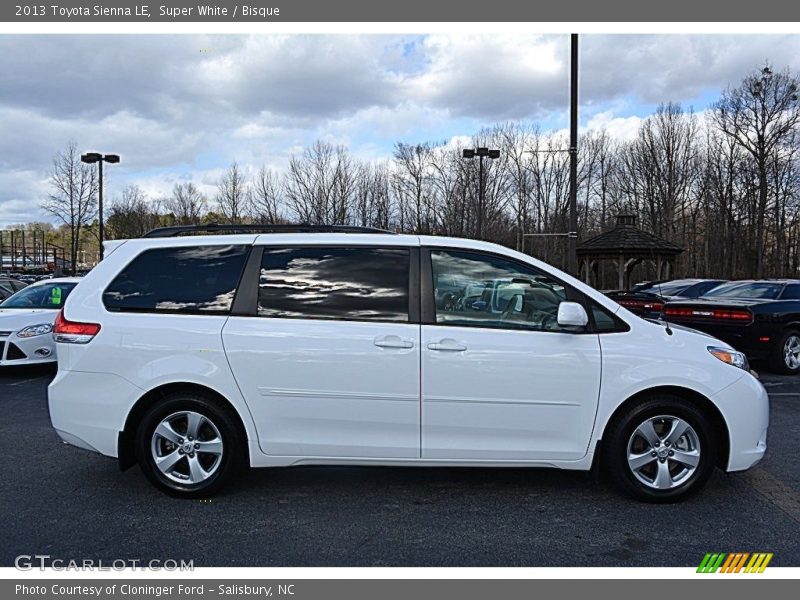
pixel 217 421
pixel 777 362
pixel 618 436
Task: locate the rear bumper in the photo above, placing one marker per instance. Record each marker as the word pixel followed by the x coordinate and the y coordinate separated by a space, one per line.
pixel 745 407
pixel 88 410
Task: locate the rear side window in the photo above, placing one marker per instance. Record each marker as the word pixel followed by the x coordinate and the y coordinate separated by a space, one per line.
pixel 197 279
pixel 356 284
pixel 791 292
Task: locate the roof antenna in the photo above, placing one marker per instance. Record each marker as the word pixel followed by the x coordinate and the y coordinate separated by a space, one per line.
pixel 663 306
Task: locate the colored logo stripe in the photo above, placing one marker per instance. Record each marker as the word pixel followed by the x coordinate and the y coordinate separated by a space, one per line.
pixel 734 562
pixel 758 563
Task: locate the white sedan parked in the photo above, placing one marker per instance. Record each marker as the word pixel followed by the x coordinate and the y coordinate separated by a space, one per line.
pixel 26 322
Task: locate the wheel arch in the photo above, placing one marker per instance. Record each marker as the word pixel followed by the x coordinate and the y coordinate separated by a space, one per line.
pixel 126 451
pixel 708 407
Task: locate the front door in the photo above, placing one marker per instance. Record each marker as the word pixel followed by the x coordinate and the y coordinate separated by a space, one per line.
pixel 329 365
pixel 500 379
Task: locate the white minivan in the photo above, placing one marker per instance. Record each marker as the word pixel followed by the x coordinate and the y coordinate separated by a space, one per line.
pixel 194 355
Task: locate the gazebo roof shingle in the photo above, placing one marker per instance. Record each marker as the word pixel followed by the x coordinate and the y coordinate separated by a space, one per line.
pixel 626 239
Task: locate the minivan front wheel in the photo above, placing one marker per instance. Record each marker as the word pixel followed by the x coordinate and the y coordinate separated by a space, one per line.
pixel 187 446
pixel 661 450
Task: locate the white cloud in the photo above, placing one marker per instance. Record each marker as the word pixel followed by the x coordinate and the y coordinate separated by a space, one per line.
pixel 619 128
pixel 490 76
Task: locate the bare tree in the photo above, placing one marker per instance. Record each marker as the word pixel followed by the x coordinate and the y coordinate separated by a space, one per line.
pixel 516 139
pixel 73 200
pixel 233 194
pixel 321 184
pixel 412 185
pixel 449 193
pixel 373 202
pixel 187 204
pixel 760 115
pixel 131 215
pixel 659 169
pixel 265 200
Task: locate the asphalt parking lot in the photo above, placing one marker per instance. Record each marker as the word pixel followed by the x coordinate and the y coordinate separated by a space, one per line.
pixel 74 505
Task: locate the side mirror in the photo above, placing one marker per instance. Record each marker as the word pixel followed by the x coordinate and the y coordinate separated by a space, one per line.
pixel 572 315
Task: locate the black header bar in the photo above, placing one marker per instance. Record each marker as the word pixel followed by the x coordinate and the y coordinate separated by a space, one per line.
pixel 186 11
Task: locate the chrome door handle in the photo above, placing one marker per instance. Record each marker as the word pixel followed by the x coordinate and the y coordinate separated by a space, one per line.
pixel 447 345
pixel 393 341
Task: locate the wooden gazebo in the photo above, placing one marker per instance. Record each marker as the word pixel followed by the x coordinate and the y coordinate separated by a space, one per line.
pixel 628 246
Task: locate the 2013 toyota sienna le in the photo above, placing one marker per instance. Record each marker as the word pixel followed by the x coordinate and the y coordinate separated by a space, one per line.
pixel 195 355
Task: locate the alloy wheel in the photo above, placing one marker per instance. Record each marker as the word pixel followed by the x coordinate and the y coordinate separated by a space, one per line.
pixel 791 352
pixel 187 447
pixel 663 452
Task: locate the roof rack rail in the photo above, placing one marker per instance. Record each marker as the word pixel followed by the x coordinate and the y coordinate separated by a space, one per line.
pixel 216 228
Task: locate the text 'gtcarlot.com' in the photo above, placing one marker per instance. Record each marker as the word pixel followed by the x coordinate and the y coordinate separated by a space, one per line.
pixel 27 562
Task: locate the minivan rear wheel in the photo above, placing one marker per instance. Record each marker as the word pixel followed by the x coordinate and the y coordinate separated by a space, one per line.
pixel 188 446
pixel 662 449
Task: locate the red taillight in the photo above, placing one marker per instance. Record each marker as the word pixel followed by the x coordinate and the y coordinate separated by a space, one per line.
pixel 70 332
pixel 641 304
pixel 721 314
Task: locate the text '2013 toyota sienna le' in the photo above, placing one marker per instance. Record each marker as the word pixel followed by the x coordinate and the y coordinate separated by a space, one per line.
pixel 196 355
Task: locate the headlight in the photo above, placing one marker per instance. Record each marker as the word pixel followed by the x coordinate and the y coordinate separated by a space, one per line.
pixel 34 330
pixel 731 357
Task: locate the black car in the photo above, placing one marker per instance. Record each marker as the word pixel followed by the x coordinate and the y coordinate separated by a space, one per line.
pixel 9 286
pixel 760 318
pixel 647 299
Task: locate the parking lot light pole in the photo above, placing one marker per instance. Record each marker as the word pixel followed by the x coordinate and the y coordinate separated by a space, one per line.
pixel 96 157
pixel 572 240
pixel 481 153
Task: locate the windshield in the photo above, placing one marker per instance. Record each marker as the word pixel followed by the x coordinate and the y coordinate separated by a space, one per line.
pixel 668 288
pixel 47 295
pixel 746 289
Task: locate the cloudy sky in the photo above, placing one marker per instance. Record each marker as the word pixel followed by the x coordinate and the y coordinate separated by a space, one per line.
pixel 183 107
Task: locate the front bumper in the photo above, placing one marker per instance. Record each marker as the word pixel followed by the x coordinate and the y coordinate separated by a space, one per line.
pixel 35 350
pixel 745 407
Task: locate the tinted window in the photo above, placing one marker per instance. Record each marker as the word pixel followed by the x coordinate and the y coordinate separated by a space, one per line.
pixel 604 322
pixel 481 290
pixel 703 287
pixel 668 288
pixel 791 292
pixel 47 295
pixel 365 284
pixel 199 279
pixel 746 289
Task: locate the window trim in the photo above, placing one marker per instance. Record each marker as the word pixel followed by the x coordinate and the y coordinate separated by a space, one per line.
pixel 248 306
pixel 175 313
pixel 428 302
